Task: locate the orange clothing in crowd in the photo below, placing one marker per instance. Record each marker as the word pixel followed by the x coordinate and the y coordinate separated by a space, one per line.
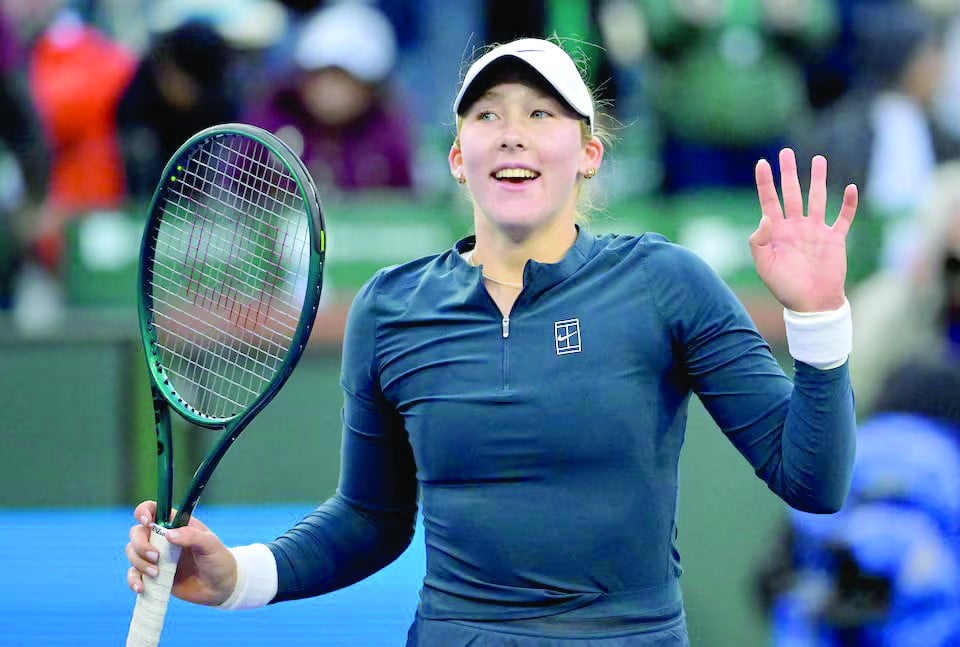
pixel 77 77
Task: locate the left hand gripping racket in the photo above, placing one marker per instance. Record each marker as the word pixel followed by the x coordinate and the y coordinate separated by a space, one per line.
pixel 231 266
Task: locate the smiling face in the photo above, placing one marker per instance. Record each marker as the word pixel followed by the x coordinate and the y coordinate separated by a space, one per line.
pixel 522 152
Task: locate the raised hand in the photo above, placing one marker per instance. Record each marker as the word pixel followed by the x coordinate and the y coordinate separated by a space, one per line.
pixel 801 259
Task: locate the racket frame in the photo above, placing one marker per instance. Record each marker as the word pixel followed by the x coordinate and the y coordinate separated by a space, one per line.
pixel 164 395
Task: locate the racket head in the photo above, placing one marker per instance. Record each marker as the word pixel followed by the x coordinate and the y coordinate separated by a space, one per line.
pixel 230 273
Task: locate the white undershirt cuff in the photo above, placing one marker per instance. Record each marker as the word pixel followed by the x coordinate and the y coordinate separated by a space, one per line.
pixel 821 339
pixel 256 578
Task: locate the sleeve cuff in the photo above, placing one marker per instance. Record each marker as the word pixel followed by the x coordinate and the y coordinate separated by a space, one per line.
pixel 256 578
pixel 821 339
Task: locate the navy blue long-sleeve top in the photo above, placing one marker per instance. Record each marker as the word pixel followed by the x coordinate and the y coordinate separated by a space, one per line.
pixel 545 445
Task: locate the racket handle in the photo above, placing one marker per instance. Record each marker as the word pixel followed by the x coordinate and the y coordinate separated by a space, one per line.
pixel 152 602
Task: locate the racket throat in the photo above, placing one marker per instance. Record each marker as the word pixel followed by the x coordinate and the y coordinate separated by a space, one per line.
pixel 205 471
pixel 161 413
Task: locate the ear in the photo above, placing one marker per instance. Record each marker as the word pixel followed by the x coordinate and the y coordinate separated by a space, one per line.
pixel 592 155
pixel 455 158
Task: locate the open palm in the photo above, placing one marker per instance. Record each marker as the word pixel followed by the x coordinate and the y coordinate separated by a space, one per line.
pixel 801 259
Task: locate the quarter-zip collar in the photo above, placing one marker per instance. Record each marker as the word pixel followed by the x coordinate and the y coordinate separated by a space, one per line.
pixel 537 277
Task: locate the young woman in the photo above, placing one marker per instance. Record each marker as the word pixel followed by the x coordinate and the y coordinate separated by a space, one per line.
pixel 532 382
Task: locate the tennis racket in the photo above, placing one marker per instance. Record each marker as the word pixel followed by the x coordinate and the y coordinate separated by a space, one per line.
pixel 230 272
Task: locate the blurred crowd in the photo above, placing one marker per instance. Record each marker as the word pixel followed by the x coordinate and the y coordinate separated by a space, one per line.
pixel 98 94
pixel 885 570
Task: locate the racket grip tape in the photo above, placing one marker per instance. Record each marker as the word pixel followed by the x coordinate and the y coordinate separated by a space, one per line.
pixel 152 602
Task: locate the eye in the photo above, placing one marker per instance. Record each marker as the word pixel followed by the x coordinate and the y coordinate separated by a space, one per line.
pixel 486 115
pixel 540 114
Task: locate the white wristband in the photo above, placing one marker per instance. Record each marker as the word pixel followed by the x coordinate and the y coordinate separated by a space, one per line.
pixel 256 578
pixel 820 339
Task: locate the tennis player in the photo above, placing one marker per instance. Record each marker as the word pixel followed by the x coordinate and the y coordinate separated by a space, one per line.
pixel 532 384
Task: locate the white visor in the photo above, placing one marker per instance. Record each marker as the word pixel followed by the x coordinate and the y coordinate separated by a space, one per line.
pixel 550 61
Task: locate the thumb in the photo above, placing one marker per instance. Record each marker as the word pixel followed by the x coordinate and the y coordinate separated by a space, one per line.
pixel 764 233
pixel 201 542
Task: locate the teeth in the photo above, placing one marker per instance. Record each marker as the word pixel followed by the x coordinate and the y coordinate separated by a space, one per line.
pixel 516 172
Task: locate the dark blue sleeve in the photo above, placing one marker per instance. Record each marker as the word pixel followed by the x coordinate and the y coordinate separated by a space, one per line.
pixel 370 520
pixel 800 436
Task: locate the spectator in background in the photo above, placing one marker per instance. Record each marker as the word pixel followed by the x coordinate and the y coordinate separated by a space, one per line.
pixel 831 73
pixel 76 79
pixel 23 165
pixel 881 134
pixel 729 83
pixel 19 129
pixel 946 102
pixel 337 112
pixel 179 88
pixel 920 306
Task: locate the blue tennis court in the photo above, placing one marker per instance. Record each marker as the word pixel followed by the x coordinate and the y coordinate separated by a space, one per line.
pixel 64 584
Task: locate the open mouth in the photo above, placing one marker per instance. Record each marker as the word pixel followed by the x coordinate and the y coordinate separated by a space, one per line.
pixel 515 175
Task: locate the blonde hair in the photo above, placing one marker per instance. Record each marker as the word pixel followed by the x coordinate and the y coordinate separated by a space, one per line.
pixel 586 204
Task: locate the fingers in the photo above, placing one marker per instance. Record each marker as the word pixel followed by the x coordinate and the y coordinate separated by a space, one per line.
pixel 140 534
pixel 817 198
pixel 792 195
pixel 146 509
pixel 199 541
pixel 790 185
pixel 139 563
pixel 134 580
pixel 140 538
pixel 766 191
pixel 142 556
pixel 847 210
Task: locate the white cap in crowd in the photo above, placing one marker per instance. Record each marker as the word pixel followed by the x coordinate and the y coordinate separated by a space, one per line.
pixel 352 36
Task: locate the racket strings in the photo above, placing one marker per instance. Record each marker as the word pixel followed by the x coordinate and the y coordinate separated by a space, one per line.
pixel 226 341
pixel 278 182
pixel 231 256
pixel 193 255
pixel 241 199
pixel 203 384
pixel 220 322
pixel 250 271
pixel 272 232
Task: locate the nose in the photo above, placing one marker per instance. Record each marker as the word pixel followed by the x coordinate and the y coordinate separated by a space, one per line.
pixel 512 138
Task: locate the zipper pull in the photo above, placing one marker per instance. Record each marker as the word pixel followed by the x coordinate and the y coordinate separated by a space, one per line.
pixel 506 327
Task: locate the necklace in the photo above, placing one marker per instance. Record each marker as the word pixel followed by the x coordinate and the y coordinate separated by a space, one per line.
pixel 516 286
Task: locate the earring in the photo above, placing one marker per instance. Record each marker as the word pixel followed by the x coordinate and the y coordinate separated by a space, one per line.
pixel 589 173
pixel 461 179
